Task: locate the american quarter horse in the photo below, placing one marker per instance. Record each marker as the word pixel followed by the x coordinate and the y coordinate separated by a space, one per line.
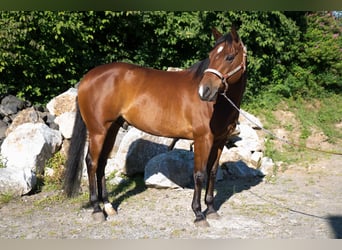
pixel 186 104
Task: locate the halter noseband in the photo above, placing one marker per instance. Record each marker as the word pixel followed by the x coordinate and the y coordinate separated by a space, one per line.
pixel 225 77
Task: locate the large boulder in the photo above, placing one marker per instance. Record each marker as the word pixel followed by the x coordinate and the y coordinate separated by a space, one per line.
pixel 135 150
pixel 65 122
pixel 16 182
pixel 234 154
pixel 65 102
pixel 29 146
pixel 248 139
pixel 173 169
pixel 250 120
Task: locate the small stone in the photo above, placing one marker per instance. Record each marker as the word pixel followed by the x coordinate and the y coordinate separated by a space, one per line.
pixel 256 159
pixel 266 166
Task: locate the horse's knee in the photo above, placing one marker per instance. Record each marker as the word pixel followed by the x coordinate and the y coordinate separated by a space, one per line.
pixel 199 177
pixel 209 199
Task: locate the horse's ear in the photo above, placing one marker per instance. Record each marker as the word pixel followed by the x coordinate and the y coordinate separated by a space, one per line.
pixel 234 33
pixel 216 33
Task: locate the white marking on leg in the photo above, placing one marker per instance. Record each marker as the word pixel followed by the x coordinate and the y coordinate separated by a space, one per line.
pixel 109 209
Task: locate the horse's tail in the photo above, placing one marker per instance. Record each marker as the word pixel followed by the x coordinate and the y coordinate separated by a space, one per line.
pixel 74 164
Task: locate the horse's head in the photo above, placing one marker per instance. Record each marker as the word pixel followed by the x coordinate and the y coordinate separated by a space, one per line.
pixel 227 64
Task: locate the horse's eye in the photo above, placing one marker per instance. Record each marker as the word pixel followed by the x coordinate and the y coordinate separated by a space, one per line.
pixel 230 58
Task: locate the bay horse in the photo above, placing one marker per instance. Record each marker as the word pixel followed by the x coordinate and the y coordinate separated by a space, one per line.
pixel 185 104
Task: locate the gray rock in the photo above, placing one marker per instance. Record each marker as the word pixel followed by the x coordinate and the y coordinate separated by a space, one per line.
pixel 173 169
pixel 16 182
pixel 65 123
pixel 256 159
pixel 235 154
pixel 239 169
pixel 29 115
pixel 49 119
pixel 266 166
pixel 252 120
pixel 29 146
pixel 3 128
pixel 11 105
pixel 135 150
pixel 65 102
pixel 248 139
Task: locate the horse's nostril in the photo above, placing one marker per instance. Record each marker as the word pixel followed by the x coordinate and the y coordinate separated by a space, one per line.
pixel 204 92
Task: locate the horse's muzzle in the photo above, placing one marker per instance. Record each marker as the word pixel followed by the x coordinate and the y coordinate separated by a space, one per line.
pixel 207 93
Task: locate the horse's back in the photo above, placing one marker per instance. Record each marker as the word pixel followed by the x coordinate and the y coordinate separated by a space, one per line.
pixel 120 72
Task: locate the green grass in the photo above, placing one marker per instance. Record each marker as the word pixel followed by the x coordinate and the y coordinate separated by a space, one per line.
pixel 318 114
pixel 49 200
pixel 6 198
pixel 53 182
pixel 323 114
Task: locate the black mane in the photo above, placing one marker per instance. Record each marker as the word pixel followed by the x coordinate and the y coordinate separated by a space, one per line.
pixel 199 67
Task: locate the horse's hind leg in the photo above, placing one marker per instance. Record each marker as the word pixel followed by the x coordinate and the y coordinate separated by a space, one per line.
pixel 92 159
pixel 100 173
pixel 99 148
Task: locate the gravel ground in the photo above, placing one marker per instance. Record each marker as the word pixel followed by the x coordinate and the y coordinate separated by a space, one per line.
pixel 301 202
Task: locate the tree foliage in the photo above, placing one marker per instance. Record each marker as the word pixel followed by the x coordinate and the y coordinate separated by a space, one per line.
pixel 43 53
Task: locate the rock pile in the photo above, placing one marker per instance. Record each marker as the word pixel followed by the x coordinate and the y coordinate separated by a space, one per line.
pixel 31 135
pixel 28 138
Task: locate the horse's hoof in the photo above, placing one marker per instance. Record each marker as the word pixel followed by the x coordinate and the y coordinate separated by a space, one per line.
pixel 109 210
pixel 213 216
pixel 201 223
pixel 98 217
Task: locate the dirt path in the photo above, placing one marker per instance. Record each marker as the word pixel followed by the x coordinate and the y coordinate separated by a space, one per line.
pixel 300 202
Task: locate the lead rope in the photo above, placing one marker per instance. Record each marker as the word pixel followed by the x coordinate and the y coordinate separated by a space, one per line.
pixel 274 135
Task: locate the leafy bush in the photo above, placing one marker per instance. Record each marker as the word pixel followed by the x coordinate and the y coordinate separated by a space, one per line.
pixel 317 65
pixel 43 53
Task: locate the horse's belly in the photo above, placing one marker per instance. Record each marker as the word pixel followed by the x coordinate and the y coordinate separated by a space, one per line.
pixel 161 126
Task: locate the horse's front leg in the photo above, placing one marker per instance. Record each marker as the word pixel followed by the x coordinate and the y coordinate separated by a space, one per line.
pixel 212 166
pixel 202 149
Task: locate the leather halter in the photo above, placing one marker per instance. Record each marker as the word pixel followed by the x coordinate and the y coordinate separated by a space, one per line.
pixel 225 77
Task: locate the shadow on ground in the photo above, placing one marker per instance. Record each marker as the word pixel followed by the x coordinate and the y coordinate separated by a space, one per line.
pixel 230 186
pixel 336 225
pixel 225 189
pixel 133 186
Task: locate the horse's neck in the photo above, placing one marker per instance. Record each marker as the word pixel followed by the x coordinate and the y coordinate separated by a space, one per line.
pixel 229 113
